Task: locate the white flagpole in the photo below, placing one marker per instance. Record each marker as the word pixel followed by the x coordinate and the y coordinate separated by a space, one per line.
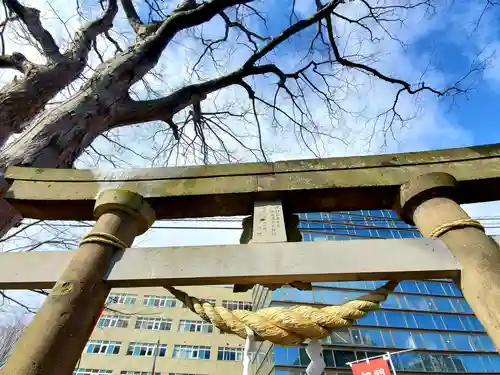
pixel 389 358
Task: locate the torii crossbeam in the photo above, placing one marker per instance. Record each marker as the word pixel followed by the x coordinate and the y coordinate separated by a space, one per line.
pixel 425 188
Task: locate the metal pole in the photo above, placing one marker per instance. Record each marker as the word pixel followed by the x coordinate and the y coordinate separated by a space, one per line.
pixel 54 340
pixel 427 201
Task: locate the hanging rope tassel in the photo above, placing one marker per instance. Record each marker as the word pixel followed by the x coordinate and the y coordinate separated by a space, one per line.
pixel 287 326
pixel 315 352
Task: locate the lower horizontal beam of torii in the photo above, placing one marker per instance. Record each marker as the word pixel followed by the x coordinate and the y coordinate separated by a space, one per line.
pixel 270 263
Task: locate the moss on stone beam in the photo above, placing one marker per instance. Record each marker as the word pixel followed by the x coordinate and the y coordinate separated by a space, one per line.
pixel 364 182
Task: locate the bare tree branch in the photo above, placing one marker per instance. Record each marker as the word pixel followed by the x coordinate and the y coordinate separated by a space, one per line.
pixel 83 38
pixel 133 112
pixel 348 63
pixel 165 108
pixel 16 61
pixel 141 29
pixel 24 98
pixel 189 14
pixel 31 19
pixel 132 16
pixel 9 334
pixel 294 29
pixel 16 302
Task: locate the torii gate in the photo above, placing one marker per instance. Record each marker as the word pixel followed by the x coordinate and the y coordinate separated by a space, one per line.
pixel 426 188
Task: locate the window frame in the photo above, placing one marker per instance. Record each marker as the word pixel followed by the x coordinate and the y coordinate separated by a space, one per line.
pixel 182 351
pixel 142 322
pixel 148 347
pixel 200 326
pixel 121 299
pixel 123 320
pixel 227 351
pixel 162 301
pixel 103 346
pixel 237 305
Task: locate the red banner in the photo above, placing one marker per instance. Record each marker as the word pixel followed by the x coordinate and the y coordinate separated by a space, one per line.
pixel 378 366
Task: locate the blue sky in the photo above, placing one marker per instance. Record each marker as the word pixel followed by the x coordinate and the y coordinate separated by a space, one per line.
pixel 453 45
pixel 450 42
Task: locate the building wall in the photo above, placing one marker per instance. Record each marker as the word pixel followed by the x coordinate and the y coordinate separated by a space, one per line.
pixel 116 363
pixel 430 317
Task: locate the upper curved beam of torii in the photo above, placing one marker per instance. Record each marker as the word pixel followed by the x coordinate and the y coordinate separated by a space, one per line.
pixel 348 183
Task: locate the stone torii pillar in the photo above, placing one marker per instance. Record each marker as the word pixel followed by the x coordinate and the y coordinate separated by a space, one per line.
pixel 54 340
pixel 428 202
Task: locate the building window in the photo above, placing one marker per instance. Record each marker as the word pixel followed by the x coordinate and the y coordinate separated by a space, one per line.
pixel 153 324
pixel 121 299
pixel 159 301
pixel 195 326
pixel 230 354
pixel 91 371
pixel 138 373
pixel 113 321
pixel 102 347
pixel 146 349
pixel 440 322
pixel 191 352
pixel 202 301
pixel 237 305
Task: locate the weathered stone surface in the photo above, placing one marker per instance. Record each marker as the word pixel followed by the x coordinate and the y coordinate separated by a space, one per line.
pixel 9 216
pixel 368 182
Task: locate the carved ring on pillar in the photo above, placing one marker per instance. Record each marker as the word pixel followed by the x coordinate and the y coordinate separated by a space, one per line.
pixel 422 188
pixel 425 187
pixel 127 201
pixel 120 200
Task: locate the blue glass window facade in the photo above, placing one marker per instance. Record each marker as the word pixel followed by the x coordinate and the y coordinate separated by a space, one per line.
pixel 431 317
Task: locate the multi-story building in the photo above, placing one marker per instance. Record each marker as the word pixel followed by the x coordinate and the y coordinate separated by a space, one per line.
pixel 430 317
pixel 146 329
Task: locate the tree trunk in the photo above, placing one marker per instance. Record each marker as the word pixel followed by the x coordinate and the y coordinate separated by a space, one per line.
pixel 23 98
pixel 56 137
